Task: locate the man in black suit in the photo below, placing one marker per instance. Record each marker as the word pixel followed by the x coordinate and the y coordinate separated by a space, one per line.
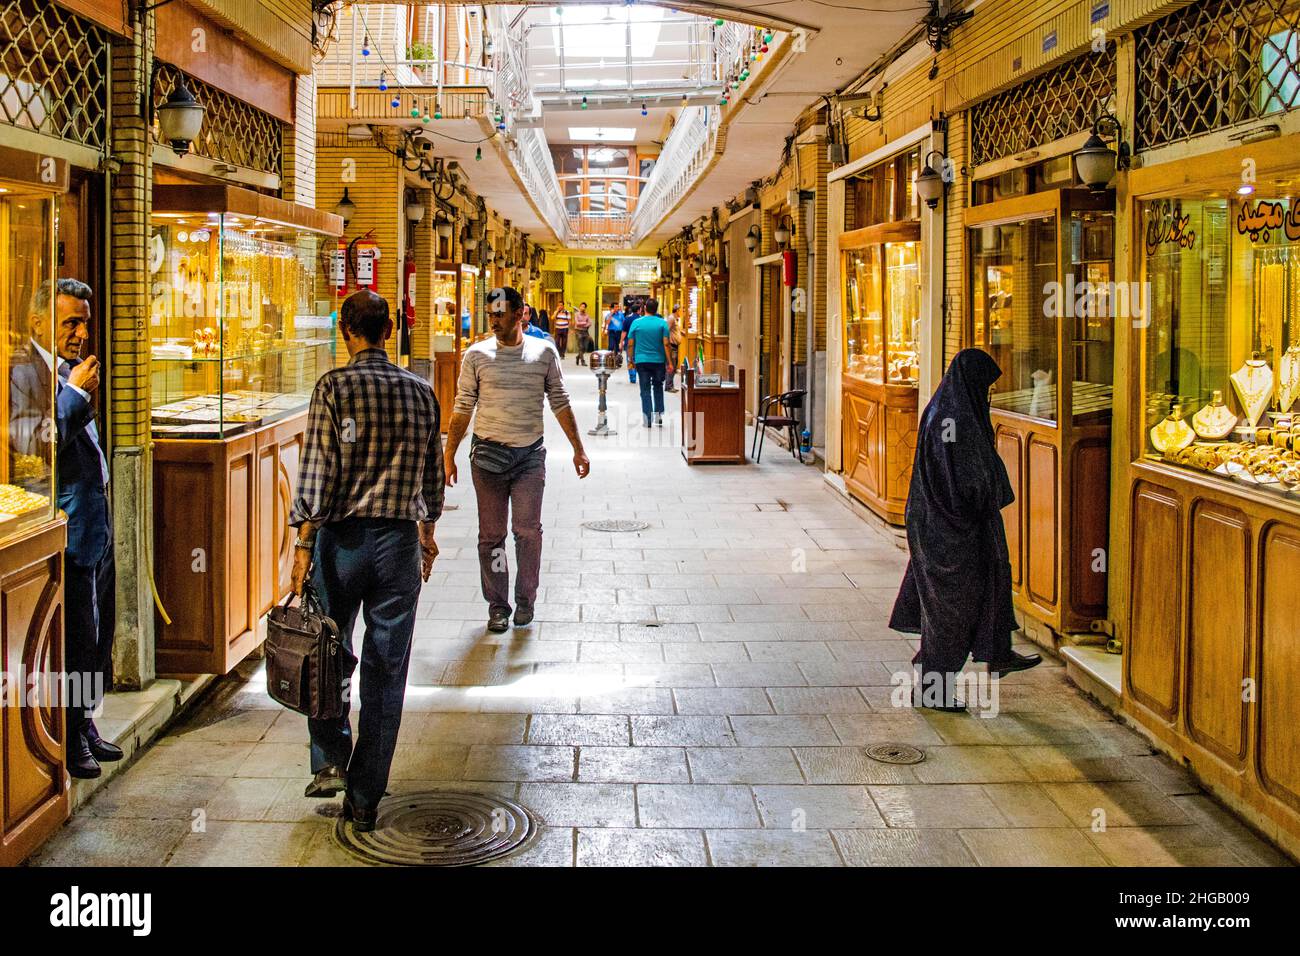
pixel 81 483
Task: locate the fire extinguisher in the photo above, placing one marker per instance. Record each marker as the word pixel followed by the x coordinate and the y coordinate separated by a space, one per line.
pixel 789 268
pixel 408 302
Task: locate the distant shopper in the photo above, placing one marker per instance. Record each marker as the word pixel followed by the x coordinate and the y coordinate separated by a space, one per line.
pixel 505 378
pixel 633 314
pixel 528 327
pixel 956 592
pixel 369 494
pixel 648 354
pixel 68 382
pixel 582 325
pixel 674 345
pixel 614 332
pixel 560 330
pixel 540 319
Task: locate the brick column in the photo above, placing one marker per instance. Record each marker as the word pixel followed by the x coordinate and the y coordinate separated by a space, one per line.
pixel 130 195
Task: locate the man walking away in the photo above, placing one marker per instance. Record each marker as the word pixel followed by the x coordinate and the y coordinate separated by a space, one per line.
pixel 582 324
pixel 81 484
pixel 614 332
pixel 505 378
pixel 560 330
pixel 369 493
pixel 633 316
pixel 674 344
pixel 647 351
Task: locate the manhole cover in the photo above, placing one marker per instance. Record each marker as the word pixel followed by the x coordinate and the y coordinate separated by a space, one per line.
pixel 441 828
pixel 895 753
pixel 615 524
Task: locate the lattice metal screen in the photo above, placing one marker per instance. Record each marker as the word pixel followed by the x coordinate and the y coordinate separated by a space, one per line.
pixel 1214 64
pixel 1055 104
pixel 53 72
pixel 232 132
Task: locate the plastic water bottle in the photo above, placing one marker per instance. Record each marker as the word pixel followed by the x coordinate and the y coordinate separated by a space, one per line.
pixel 805 442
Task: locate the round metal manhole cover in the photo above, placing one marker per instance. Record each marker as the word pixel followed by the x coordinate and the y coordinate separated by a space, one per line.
pixel 615 524
pixel 895 753
pixel 441 828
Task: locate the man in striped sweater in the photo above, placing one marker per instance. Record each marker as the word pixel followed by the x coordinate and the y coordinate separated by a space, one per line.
pixel 505 378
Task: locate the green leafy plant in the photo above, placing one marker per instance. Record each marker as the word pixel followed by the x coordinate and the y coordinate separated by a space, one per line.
pixel 419 51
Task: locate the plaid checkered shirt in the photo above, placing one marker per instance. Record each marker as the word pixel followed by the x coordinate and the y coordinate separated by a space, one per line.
pixel 373 448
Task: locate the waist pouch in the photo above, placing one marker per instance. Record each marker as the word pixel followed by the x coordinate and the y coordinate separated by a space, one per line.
pixel 498 459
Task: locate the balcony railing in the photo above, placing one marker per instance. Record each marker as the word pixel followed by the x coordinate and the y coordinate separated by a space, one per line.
pixel 685 156
pixel 601 229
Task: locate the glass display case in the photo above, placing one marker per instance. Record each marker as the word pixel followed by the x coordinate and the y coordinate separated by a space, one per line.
pixel 1220 354
pixel 882 311
pixel 242 319
pixel 863 321
pixel 31 342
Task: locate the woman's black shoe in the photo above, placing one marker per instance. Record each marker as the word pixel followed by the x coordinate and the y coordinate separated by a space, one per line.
pixel 363 821
pixel 1016 662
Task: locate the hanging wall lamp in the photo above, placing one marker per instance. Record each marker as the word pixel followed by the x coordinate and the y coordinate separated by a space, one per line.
pixel 443 226
pixel 345 208
pixel 930 184
pixel 753 237
pixel 1094 161
pixel 781 233
pixel 180 117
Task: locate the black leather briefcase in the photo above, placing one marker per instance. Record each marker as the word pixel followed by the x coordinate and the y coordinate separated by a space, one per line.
pixel 308 669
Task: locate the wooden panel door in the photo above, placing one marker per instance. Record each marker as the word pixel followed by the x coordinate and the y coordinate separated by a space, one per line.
pixel 262 544
pixel 241 564
pixel 33 783
pixel 1218 643
pixel 290 460
pixel 1152 652
pixel 1042 511
pixel 1011 451
pixel 1278 676
pixel 861 434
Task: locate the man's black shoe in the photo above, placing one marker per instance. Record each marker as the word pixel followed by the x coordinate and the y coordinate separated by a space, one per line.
pixel 81 762
pixel 330 782
pixel 523 616
pixel 363 821
pixel 100 748
pixel 499 621
pixel 1016 662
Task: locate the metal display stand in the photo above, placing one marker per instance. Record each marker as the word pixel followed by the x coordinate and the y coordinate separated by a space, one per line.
pixel 603 363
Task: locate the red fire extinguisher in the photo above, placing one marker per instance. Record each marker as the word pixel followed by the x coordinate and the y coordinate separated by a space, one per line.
pixel 789 268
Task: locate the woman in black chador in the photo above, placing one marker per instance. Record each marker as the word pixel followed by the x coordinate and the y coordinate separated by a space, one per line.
pixel 957 590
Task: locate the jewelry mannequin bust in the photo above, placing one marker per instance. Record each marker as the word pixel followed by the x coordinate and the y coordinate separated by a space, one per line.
pixel 1172 433
pixel 1215 421
pixel 1253 383
pixel 1288 378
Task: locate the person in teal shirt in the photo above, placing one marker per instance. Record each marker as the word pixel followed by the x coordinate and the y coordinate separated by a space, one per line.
pixel 647 351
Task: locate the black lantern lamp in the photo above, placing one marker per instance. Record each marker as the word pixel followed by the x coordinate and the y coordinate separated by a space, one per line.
pixel 345 209
pixel 781 233
pixel 1094 161
pixel 752 238
pixel 180 118
pixel 930 184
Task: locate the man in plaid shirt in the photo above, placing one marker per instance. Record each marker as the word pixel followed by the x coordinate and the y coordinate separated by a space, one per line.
pixel 369 492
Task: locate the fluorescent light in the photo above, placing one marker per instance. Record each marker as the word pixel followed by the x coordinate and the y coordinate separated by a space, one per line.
pixel 602 134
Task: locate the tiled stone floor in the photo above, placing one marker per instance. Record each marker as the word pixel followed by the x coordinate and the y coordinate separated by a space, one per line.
pixel 698 693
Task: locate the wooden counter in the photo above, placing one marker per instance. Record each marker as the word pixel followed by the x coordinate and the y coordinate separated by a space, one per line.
pixel 713 422
pixel 223 549
pixel 33 781
pixel 878 432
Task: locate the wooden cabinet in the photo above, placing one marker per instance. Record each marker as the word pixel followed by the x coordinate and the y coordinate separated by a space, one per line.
pixel 1212 638
pixel 878 438
pixel 446 372
pixel 713 421
pixel 223 549
pixel 33 782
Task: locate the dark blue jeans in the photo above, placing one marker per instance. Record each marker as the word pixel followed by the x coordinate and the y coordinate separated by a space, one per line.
pixel 371 565
pixel 652 388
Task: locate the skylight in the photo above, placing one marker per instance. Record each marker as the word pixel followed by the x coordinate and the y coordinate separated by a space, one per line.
pixel 594 32
pixel 602 134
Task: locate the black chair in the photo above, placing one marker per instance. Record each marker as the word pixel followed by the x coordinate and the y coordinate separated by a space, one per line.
pixel 788 405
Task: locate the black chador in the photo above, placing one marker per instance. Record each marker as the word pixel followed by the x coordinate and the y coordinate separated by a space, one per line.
pixel 957 590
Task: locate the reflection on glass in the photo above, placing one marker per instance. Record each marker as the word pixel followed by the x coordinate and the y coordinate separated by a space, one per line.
pixel 31 342
pixel 1013 272
pixel 1090 312
pixel 903 304
pixel 242 322
pixel 443 291
pixel 863 323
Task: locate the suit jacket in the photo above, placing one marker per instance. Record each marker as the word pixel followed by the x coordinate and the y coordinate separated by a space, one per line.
pixel 79 480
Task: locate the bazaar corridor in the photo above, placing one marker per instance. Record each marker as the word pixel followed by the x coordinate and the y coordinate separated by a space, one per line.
pixel 702 692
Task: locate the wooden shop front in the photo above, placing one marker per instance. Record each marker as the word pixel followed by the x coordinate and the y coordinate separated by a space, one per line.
pixel 242 324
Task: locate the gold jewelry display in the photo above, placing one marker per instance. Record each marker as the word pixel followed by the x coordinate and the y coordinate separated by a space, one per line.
pixel 1172 433
pixel 1215 421
pixel 1253 383
pixel 1288 378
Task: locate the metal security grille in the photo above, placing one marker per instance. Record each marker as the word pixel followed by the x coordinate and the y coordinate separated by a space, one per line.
pixel 1055 104
pixel 232 132
pixel 53 72
pixel 1214 64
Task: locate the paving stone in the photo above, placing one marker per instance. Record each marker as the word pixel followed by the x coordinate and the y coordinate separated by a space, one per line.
pixel 1162 846
pixel 154 796
pixel 465 729
pixel 553 846
pixel 581 804
pixel 981 764
pixel 722 700
pixel 622 847
pixel 1051 847
pixel 890 847
pixel 817 700
pixel 772 848
pixel 759 674
pixel 633 765
pixel 629 700
pixel 930 806
pixel 86 841
pixel 597 730
pixel 821 807
pixel 622 653
pixel 251 798
pixel 904 727
pixel 679 731
pixel 784 730
pixel 849 765
pixel 1025 805
pixel 705 653
pixel 1074 762
pixel 743 765
pixel 486 762
pixel 695 805
pixel 240 843
pixel 1124 804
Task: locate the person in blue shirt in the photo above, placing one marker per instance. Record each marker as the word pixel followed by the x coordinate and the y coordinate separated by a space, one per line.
pixel 628 322
pixel 647 352
pixel 526 324
pixel 614 330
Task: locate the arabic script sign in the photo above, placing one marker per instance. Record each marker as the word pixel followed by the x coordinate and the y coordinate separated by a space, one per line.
pixel 1259 222
pixel 1167 224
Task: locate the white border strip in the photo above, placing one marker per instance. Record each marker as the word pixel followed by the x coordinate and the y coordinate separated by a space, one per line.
pixel 893 147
